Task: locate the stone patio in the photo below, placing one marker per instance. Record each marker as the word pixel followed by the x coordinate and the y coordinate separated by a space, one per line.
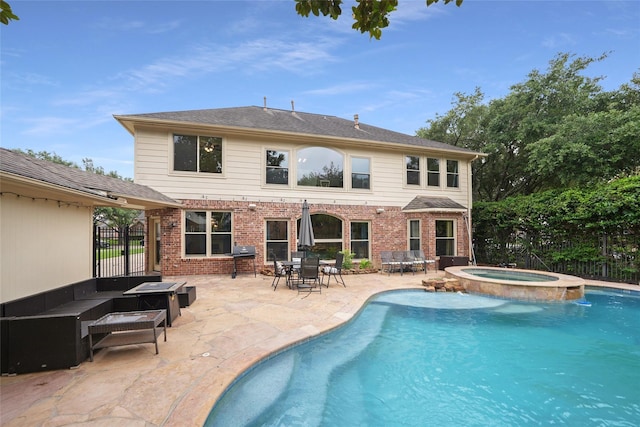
pixel 233 324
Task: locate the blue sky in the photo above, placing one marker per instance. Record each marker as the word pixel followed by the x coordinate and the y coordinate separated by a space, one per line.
pixel 67 67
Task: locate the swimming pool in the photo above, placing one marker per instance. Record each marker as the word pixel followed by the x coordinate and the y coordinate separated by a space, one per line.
pixel 416 358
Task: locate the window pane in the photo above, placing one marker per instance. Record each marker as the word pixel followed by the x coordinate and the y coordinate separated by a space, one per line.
pixel 360 180
pixel 210 154
pixel 444 228
pixel 280 249
pixel 220 222
pixel 220 244
pixel 185 151
pixel 277 167
pixel 327 250
pixel 325 226
pixel 359 231
pixel 360 249
pixel 413 163
pixel 195 222
pixel 359 165
pixel 445 247
pixel 276 230
pixel 413 177
pixel 195 244
pixel 414 228
pixel 320 167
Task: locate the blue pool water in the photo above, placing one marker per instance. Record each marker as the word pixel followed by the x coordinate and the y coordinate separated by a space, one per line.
pixel 414 358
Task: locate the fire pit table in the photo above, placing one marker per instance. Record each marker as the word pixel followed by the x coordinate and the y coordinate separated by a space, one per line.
pixel 134 327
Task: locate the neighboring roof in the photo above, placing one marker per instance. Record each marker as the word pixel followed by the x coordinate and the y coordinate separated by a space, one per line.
pixel 104 190
pixel 275 120
pixel 425 203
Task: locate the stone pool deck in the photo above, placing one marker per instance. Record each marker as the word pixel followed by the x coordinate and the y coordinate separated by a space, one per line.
pixel 232 324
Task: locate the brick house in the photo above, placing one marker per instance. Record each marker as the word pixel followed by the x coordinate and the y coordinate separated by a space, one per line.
pixel 243 173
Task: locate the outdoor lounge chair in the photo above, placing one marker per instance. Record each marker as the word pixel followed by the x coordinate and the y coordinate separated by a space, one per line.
pixel 421 260
pixel 335 270
pixel 309 277
pixel 278 272
pixel 388 264
pixel 404 260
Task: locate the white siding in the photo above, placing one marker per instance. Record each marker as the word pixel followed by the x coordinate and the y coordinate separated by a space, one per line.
pixel 243 174
pixel 43 246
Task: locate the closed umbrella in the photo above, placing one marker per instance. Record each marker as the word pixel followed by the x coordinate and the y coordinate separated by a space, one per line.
pixel 305 234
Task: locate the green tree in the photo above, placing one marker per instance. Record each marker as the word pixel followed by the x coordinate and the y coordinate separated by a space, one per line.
pixel 370 16
pixel 6 14
pixel 556 129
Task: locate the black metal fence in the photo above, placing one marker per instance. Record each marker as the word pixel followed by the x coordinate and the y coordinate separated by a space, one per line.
pixel 118 251
pixel 610 258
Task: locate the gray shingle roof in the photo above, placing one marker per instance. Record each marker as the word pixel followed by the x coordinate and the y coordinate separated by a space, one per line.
pixel 269 119
pixel 76 179
pixel 433 203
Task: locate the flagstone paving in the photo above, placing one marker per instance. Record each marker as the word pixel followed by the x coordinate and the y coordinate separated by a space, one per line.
pixel 233 324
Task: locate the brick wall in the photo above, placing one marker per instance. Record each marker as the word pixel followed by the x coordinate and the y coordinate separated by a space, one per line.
pixel 388 232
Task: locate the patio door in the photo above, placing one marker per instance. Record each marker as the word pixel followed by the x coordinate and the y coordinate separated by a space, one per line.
pixel 155 233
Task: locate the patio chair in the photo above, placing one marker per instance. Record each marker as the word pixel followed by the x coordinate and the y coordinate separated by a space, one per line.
pixel 421 260
pixel 296 258
pixel 403 260
pixel 309 277
pixel 278 272
pixel 335 270
pixel 388 264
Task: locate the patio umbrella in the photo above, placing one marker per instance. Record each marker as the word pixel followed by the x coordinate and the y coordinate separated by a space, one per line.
pixel 305 234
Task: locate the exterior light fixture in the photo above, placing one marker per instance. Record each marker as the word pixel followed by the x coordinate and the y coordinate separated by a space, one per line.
pixel 252 206
pixel 379 210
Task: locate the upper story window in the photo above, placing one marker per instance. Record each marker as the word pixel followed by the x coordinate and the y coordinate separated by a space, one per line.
pixel 197 153
pixel 360 173
pixel 413 170
pixel 207 233
pixel 452 173
pixel 320 167
pixel 433 172
pixel 277 167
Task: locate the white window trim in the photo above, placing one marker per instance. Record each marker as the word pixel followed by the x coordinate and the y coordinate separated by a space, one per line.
pixel 207 175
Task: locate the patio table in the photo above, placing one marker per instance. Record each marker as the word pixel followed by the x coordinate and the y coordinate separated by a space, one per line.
pixel 127 328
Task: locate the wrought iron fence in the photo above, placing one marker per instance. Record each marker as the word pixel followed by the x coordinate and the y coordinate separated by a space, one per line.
pixel 118 251
pixel 607 257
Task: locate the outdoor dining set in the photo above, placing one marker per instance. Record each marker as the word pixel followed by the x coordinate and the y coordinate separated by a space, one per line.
pixel 307 273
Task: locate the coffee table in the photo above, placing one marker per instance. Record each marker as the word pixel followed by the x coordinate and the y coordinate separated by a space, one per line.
pixel 126 328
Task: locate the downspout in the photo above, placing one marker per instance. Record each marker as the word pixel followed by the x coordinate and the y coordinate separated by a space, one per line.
pixel 469 205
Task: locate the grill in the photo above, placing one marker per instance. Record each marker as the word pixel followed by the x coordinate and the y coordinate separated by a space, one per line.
pixel 243 252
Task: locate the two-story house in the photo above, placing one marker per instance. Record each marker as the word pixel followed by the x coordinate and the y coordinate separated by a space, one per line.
pixel 243 173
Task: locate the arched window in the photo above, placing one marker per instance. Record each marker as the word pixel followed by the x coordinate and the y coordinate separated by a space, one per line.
pixel 327 231
pixel 320 167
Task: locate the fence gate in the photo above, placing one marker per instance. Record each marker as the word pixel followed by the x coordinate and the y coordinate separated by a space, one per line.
pixel 118 251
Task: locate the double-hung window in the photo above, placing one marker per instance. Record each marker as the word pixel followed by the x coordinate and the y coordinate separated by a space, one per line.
pixel 277 239
pixel 360 239
pixel 433 172
pixel 207 233
pixel 414 235
pixel 360 173
pixel 277 167
pixel 413 170
pixel 445 238
pixel 192 153
pixel 452 174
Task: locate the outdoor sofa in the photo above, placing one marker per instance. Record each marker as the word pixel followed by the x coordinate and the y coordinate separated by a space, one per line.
pixel 49 330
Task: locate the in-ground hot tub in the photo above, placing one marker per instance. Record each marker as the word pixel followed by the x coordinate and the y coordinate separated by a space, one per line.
pixel 518 284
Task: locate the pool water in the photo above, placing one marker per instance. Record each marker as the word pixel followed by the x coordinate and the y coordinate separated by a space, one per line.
pixel 414 358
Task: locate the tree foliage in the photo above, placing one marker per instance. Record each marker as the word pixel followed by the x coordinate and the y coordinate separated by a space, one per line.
pixel 556 129
pixel 6 14
pixel 370 16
